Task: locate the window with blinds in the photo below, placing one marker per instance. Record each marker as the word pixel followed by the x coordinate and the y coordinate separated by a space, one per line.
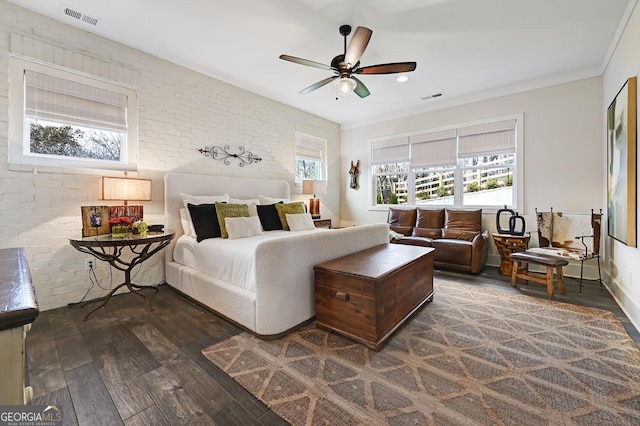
pixel 311 153
pixel 70 119
pixel 465 165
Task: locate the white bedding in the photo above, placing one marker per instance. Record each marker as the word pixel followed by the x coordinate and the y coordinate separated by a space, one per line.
pixel 279 295
pixel 233 261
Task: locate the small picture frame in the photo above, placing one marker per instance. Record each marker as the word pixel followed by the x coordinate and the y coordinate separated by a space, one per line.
pixel 95 221
pixel 132 213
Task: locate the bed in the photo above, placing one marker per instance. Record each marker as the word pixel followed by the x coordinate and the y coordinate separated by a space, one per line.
pixel 271 292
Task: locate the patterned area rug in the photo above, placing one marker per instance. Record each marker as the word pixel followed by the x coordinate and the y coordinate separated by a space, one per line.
pixel 471 357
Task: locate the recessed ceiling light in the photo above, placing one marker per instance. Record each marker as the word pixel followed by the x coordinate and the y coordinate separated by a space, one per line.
pixel 402 78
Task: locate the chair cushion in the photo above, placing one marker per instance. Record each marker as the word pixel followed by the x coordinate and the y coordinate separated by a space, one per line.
pixel 539 258
pixel 429 218
pixel 457 252
pixel 401 217
pixel 427 232
pixel 413 241
pixel 572 254
pixel 404 230
pixel 464 220
pixel 454 234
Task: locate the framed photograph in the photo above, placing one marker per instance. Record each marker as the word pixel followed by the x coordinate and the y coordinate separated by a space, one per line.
pixel 95 221
pixel 621 162
pixel 130 213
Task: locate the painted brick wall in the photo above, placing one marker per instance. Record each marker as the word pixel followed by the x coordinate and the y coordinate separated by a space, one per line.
pixel 179 111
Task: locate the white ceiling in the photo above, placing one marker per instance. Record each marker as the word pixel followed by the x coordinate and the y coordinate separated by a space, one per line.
pixel 465 49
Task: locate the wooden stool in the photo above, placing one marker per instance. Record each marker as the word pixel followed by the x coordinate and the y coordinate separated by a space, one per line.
pixel 522 270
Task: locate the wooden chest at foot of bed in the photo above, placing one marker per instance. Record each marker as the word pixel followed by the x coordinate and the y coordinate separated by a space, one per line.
pixel 368 295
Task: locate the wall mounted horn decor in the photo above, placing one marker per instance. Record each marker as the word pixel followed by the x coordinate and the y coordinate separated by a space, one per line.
pixel 221 153
pixel 354 173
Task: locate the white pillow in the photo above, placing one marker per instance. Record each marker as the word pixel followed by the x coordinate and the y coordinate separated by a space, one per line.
pixel 242 227
pixel 250 202
pixel 300 222
pixel 203 199
pixel 268 200
pixel 187 226
pixel 244 200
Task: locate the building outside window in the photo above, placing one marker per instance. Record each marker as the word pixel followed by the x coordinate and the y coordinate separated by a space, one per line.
pixel 472 165
pixel 62 118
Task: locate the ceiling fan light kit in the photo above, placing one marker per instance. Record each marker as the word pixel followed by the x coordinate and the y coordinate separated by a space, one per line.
pixel 348 63
pixel 345 86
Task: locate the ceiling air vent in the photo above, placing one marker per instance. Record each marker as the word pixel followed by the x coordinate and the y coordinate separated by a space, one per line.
pixel 76 14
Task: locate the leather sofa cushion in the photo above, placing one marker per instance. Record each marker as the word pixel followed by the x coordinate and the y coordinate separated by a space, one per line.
pixel 404 230
pixel 427 232
pixel 413 241
pixel 464 220
pixel 401 217
pixel 454 234
pixel 453 251
pixel 429 218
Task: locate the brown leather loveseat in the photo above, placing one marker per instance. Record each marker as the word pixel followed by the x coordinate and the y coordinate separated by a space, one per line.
pixel 456 235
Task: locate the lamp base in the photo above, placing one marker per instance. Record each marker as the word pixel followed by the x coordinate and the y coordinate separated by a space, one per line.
pixel 314 207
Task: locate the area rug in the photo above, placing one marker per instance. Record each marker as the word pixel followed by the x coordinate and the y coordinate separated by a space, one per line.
pixel 473 356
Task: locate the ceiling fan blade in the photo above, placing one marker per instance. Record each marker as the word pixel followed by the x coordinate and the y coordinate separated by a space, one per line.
pixel 358 43
pixel 361 90
pixel 387 68
pixel 318 84
pixel 306 62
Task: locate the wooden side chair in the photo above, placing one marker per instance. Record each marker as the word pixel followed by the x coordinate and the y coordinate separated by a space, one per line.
pixel 570 236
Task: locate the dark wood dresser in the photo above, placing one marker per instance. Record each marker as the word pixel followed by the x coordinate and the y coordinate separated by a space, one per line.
pixel 368 295
pixel 18 309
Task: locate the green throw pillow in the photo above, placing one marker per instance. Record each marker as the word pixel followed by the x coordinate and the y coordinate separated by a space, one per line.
pixel 291 208
pixel 229 210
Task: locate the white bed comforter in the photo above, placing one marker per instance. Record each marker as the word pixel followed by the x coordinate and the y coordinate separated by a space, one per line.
pixel 230 260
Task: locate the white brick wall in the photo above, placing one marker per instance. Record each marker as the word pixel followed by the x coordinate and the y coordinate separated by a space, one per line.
pixel 179 111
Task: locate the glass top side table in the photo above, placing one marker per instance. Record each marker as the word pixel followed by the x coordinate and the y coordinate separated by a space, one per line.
pixel 110 250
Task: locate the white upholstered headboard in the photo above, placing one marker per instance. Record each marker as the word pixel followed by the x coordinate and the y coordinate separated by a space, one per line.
pixel 236 187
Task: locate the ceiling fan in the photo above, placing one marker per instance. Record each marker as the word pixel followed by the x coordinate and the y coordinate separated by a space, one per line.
pixel 347 64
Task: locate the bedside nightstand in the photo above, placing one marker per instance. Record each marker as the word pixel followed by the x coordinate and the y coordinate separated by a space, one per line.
pixel 322 223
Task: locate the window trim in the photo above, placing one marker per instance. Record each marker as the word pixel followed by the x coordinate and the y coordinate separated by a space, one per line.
pixel 19 129
pixel 518 187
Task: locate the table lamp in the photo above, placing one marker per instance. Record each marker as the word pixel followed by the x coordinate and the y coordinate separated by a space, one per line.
pixel 124 189
pixel 314 187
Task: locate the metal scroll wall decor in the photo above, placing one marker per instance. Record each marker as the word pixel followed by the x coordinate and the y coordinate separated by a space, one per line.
pixel 354 172
pixel 221 153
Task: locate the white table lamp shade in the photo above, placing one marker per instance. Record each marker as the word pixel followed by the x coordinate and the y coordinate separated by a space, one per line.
pixel 124 189
pixel 316 187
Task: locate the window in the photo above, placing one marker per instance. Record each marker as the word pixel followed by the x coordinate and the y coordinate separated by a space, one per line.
pixel 65 119
pixel 310 157
pixel 472 165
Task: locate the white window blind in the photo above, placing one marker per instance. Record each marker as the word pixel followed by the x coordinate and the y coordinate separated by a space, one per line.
pixel 433 149
pixel 56 99
pixel 390 151
pixel 499 136
pixel 309 149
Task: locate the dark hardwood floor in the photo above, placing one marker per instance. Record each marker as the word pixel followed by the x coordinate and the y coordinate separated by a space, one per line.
pixel 126 365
